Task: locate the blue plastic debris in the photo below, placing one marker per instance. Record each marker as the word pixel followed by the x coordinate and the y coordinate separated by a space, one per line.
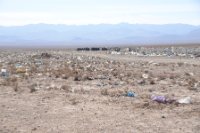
pixel 131 94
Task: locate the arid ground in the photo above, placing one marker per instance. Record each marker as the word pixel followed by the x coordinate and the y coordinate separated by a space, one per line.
pixel 59 91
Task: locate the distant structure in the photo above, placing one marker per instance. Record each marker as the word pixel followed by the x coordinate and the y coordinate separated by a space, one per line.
pixel 95 49
pixel 193 52
pixel 125 50
pixel 104 49
pixel 83 49
pixel 117 49
pixel 98 49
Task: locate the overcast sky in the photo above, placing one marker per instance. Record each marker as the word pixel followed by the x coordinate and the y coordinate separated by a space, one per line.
pixel 22 12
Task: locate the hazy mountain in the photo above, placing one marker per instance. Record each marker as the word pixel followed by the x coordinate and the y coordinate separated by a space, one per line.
pixel 102 34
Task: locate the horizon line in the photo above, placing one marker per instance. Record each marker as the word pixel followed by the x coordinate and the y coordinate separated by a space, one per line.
pixel 98 24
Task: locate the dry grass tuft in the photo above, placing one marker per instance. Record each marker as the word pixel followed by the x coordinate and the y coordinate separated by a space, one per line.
pixel 15 87
pixel 63 73
pixel 104 92
pixel 33 88
pixel 74 101
pixel 66 88
pixel 113 92
pixel 162 76
pixel 77 78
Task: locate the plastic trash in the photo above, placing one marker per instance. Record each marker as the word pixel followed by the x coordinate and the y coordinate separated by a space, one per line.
pixel 145 76
pixel 162 99
pixel 4 73
pixel 18 65
pixel 186 100
pixel 131 94
pixel 159 99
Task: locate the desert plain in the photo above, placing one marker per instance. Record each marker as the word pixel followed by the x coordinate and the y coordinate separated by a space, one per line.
pixel 64 90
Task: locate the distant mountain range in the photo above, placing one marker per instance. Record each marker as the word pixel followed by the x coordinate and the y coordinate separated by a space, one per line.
pixel 101 34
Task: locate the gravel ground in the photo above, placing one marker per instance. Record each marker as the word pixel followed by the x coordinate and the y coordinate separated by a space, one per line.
pixel 86 92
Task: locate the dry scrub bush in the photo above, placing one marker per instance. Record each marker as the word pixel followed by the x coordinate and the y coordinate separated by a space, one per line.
pixel 33 69
pixel 81 91
pixel 191 82
pixel 104 92
pixel 115 73
pixel 73 101
pixel 9 81
pixel 64 73
pixel 116 93
pixel 12 69
pixel 64 76
pixel 129 74
pixel 173 76
pixel 33 88
pixel 5 82
pixel 152 81
pixel 180 64
pixel 53 88
pixel 66 88
pixel 87 76
pixel 162 76
pixel 13 79
pixel 15 87
pixel 113 92
pixel 77 78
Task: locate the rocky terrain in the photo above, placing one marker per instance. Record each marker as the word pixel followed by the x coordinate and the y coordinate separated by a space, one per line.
pixel 69 91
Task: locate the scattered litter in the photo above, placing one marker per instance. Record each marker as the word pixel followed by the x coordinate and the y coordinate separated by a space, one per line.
pixel 186 100
pixel 4 72
pixel 18 65
pixel 145 76
pixel 159 99
pixel 131 94
pixel 162 99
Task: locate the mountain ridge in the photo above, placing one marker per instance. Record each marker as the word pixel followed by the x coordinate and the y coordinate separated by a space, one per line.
pixel 102 34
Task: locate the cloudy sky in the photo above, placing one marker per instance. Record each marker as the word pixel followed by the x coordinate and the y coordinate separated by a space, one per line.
pixel 78 12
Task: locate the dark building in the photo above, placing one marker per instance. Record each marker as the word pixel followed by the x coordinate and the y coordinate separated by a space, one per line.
pixel 95 49
pixel 83 49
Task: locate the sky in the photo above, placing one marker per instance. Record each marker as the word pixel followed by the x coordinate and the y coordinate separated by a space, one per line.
pixel 84 12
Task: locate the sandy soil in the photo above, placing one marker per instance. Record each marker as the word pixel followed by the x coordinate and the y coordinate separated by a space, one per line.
pixel 98 104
